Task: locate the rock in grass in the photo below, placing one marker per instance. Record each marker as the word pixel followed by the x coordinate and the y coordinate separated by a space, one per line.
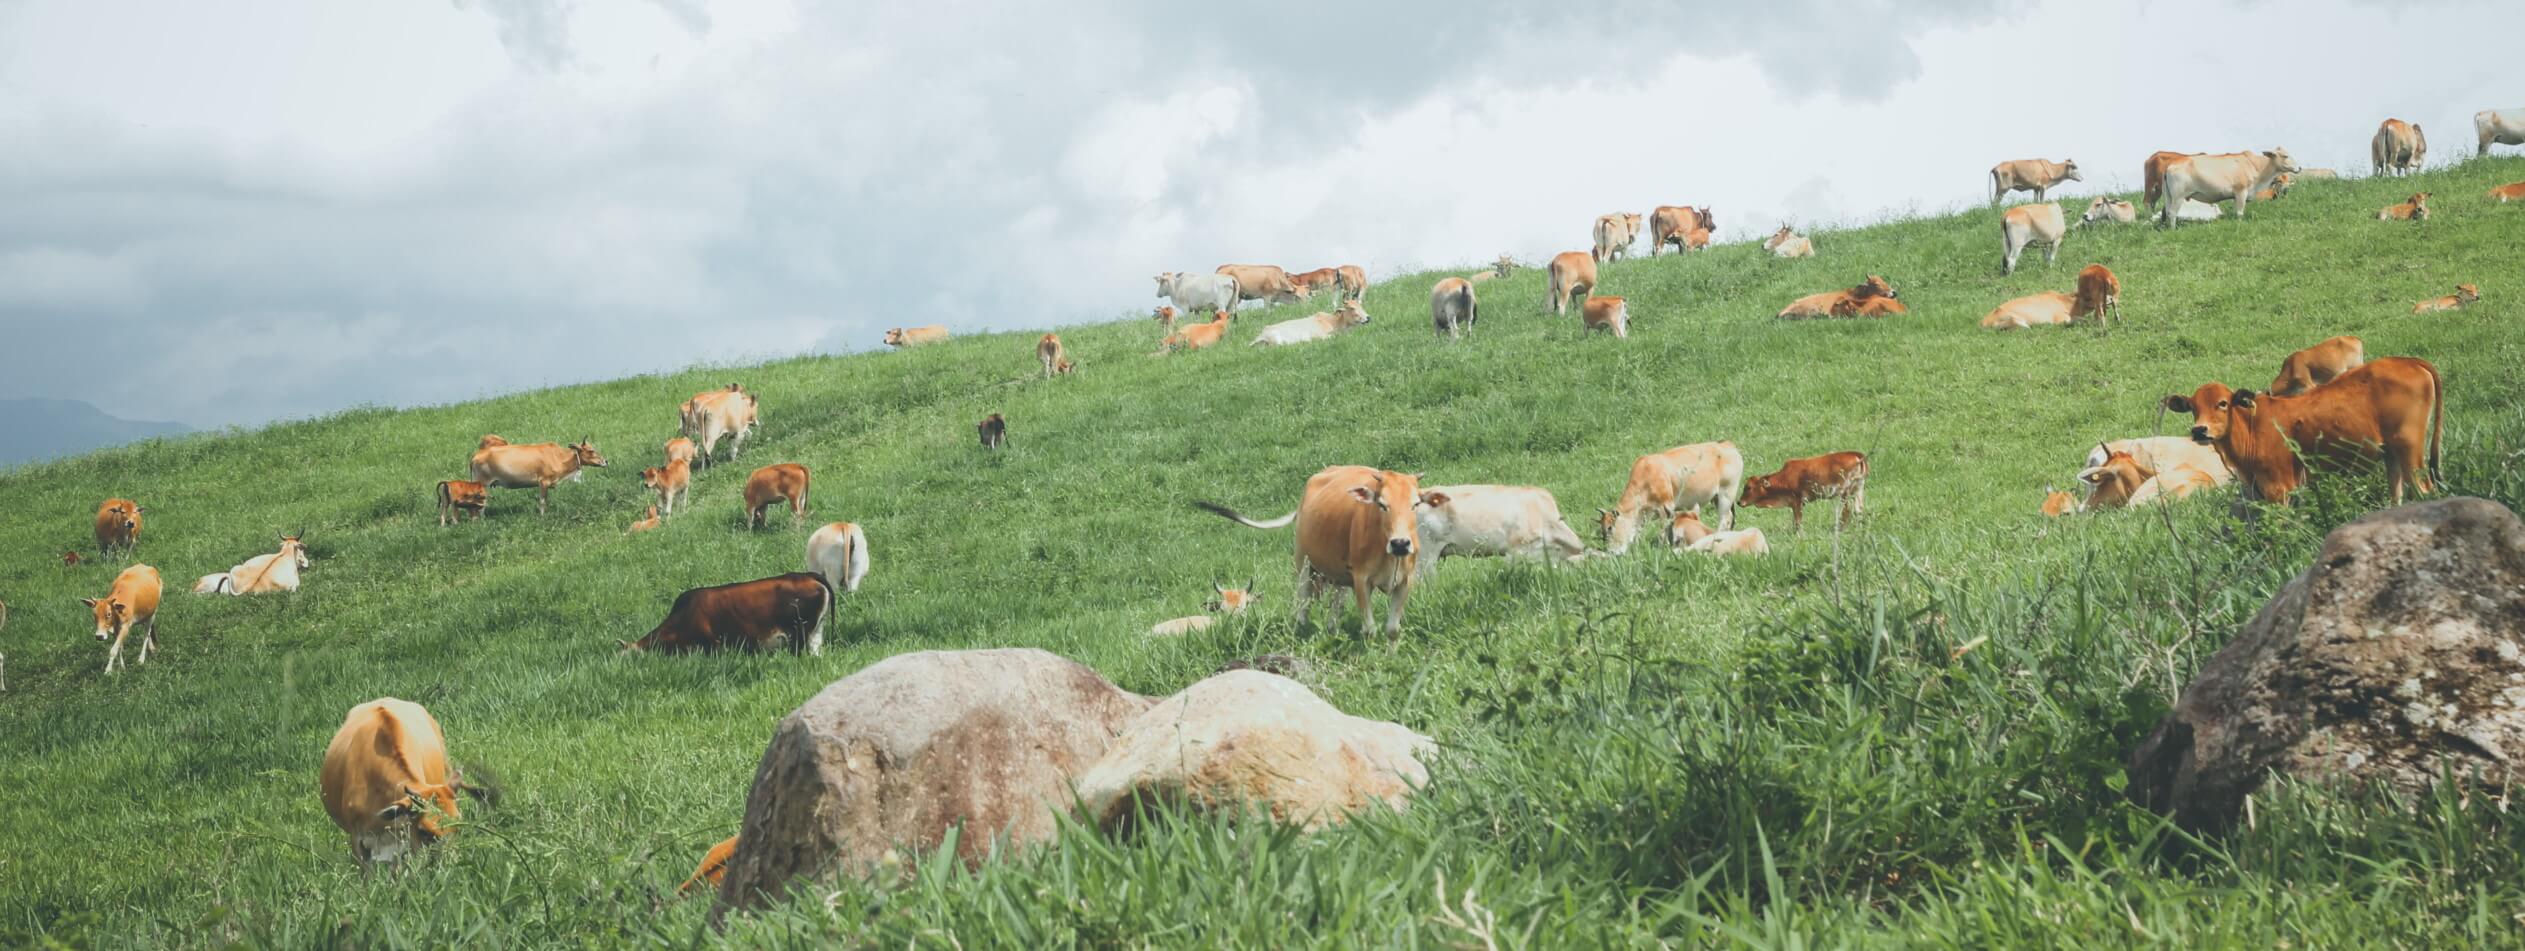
pixel 2399 654
pixel 1247 738
pixel 897 754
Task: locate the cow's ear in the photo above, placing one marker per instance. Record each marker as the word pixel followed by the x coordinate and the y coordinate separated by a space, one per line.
pixel 2244 398
pixel 1363 493
pixel 2178 403
pixel 402 808
pixel 2093 476
pixel 1434 499
pixel 91 602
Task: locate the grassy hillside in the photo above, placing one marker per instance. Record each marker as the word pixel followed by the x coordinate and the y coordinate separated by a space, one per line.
pixel 1643 749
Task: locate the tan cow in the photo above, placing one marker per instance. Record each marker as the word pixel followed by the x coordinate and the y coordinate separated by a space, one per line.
pixel 646 522
pixel 1354 280
pixel 538 467
pixel 907 337
pixel 1356 530
pixel 1745 542
pixel 1262 282
pixel 2512 191
pixel 2217 178
pixel 1226 601
pixel 2036 310
pixel 1197 336
pixel 1571 278
pixel 1786 243
pixel 118 527
pixel 2123 481
pixel 2396 404
pixel 2030 224
pixel 672 482
pixel 1606 313
pixel 2318 364
pixel 2039 176
pixel 1055 360
pixel 261 574
pixel 1674 224
pixel 1665 483
pixel 1498 269
pixel 2399 148
pixel 2108 211
pixel 713 415
pixel 2099 295
pixel 386 781
pixel 456 497
pixel 1614 235
pixel 1452 308
pixel 2464 294
pixel 2414 208
pixel 1844 303
pixel 681 449
pixel 2057 503
pixel 131 602
pixel 1698 240
pixel 780 482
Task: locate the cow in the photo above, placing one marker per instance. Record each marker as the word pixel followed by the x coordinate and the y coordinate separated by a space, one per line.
pixel 2414 208
pixel 2464 294
pixel 714 867
pixel 2399 148
pixel 2039 176
pixel 1165 316
pixel 1786 243
pixel 672 482
pixel 117 527
pixel 1835 303
pixel 1572 277
pixel 646 522
pixel 1871 306
pixel 386 781
pixel 1055 360
pixel 1308 329
pixel 2030 224
pixel 2152 176
pixel 994 431
pixel 838 553
pixel 2197 211
pixel 1197 336
pixel 746 616
pixel 1354 280
pixel 2499 126
pixel 902 338
pixel 131 602
pixel 1356 529
pixel 1698 240
pixel 2394 407
pixel 2036 310
pixel 1452 308
pixel 539 466
pixel 1225 600
pixel 1316 280
pixel 714 415
pixel 2122 481
pixel 2318 365
pixel 1747 542
pixel 682 449
pixel 2163 453
pixel 1606 313
pixel 1194 293
pixel 70 559
pixel 456 497
pixel 2108 211
pixel 779 482
pixel 1262 282
pixel 2279 188
pixel 2057 503
pixel 2220 178
pixel 1672 481
pixel 1614 235
pixel 1492 521
pixel 261 574
pixel 1836 475
pixel 1675 224
pixel 1498 269
pixel 2512 191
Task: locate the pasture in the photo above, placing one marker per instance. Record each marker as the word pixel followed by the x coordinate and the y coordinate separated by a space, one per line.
pixel 1911 734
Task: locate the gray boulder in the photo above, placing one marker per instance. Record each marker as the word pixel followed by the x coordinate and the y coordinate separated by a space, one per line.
pixel 1246 738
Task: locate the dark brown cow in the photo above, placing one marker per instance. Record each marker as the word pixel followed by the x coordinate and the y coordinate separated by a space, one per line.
pixel 786 481
pixel 1836 475
pixel 2395 405
pixel 994 428
pixel 117 526
pixel 746 616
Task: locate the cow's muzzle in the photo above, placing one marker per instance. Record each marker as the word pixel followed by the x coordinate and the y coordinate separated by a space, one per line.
pixel 2200 434
pixel 1398 546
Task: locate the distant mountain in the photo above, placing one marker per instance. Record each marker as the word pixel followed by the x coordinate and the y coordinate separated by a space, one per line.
pixel 32 430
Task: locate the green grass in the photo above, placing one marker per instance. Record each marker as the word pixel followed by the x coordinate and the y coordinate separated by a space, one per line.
pixel 1650 749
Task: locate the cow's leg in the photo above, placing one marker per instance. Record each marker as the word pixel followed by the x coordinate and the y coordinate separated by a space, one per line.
pixel 1304 594
pixel 114 654
pixel 2241 198
pixel 1394 601
pixel 1359 593
pixel 148 638
pixel 543 496
pixel 1797 513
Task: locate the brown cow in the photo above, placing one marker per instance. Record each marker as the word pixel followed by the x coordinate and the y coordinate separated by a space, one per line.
pixel 1312 282
pixel 2039 176
pixel 2513 191
pixel 1875 305
pixel 672 482
pixel 456 497
pixel 132 602
pixel 1836 475
pixel 2464 294
pixel 2396 404
pixel 386 781
pixel 2057 503
pixel 1572 277
pixel 1838 303
pixel 786 481
pixel 713 868
pixel 2279 188
pixel 2099 294
pixel 1049 353
pixel 1357 529
pixel 1262 282
pixel 2399 148
pixel 539 466
pixel 2152 174
pixel 907 337
pixel 2318 365
pixel 117 526
pixel 746 615
pixel 1196 336
pixel 1606 313
pixel 994 430
pixel 646 522
pixel 1354 280
pixel 2415 208
pixel 1675 224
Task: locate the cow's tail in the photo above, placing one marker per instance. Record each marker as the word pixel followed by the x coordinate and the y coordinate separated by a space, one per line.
pixel 1222 511
pixel 1994 187
pixel 832 599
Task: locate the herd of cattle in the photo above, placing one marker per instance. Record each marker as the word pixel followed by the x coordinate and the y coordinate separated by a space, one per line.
pixel 387 783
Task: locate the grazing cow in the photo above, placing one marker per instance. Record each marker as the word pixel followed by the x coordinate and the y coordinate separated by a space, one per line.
pixel 2030 224
pixel 1674 224
pixel 2036 310
pixel 386 781
pixel 907 337
pixel 2512 191
pixel 2396 405
pixel 2123 481
pixel 2163 453
pixel 2110 211
pixel 117 527
pixel 1193 336
pixel 1492 521
pixel 539 466
pixel 2057 503
pixel 456 497
pixel 1309 283
pixel 645 522
pixel 1262 282
pixel 2031 175
pixel 1498 269
pixel 2099 295
pixel 2152 175
pixel 1226 600
pixel 2464 294
pixel 2219 178
pixel 1354 280
pixel 131 602
pixel 1788 244
pixel 1840 303
pixel 1606 313
pixel 1194 293
pixel 718 414
pixel 2414 208
pixel 681 449
pixel 261 574
pixel 1312 328
pixel 1572 277
pixel 2398 148
pixel 2500 126
pixel 1356 529
pixel 2318 364
pixel 1672 481
pixel 1614 235
pixel 1836 475
pixel 779 482
pixel 1452 308
pixel 1049 353
pixel 672 482
pixel 714 867
pixel 994 430
pixel 838 553
pixel 745 615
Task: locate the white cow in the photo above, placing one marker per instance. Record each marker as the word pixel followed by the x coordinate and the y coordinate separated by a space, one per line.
pixel 2030 224
pixel 2218 178
pixel 1309 329
pixel 2166 453
pixel 1492 521
pixel 2499 127
pixel 1740 542
pixel 1788 244
pixel 1198 293
pixel 2104 209
pixel 261 574
pixel 839 554
pixel 2195 210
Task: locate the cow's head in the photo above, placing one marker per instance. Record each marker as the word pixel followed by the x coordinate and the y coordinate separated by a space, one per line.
pixel 294 548
pixel 1708 223
pixel 1393 494
pixel 1222 316
pixel 2057 503
pixel 1686 529
pixel 1763 492
pixel 1349 314
pixel 429 807
pixel 1504 264
pixel 2211 407
pixel 1165 315
pixel 585 452
pixel 1165 288
pixel 2101 207
pixel 2069 171
pixel 894 337
pixel 2280 160
pixel 1605 520
pixel 653 477
pixel 1063 366
pixel 1778 237
pixel 1875 287
pixel 111 616
pixel 1633 220
pixel 2467 293
pixel 2113 483
pixel 1229 600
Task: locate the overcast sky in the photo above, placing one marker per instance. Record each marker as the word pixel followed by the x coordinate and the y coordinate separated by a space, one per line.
pixel 280 208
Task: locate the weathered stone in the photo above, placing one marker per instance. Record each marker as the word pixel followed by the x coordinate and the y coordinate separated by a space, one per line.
pixel 1250 739
pixel 2398 655
pixel 904 750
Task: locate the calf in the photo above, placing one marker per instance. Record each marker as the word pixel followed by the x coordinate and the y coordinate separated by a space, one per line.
pixel 672 482
pixel 2099 294
pixel 1312 328
pixel 2037 310
pixel 902 338
pixel 2414 208
pixel 1452 308
pixel 1606 313
pixel 1165 317
pixel 780 482
pixel 2464 294
pixel 2161 453
pixel 1197 336
pixel 1874 306
pixel 1492 521
pixel 2318 364
pixel 70 559
pixel 1226 600
pixel 713 868
pixel 1839 303
pixel 2106 210
pixel 1572 277
pixel 2030 175
pixel 456 497
pixel 1614 235
pixel 1355 529
pixel 1049 353
pixel 838 553
pixel 1498 269
pixel 2030 224
pixel 131 602
pixel 2057 503
pixel 117 527
pixel 746 615
pixel 386 781
pixel 2512 191
pixel 994 430
pixel 645 523
pixel 2279 188
pixel 2123 481
pixel 2396 405
pixel 1311 282
pixel 1838 475
pixel 1788 244
pixel 1678 479
pixel 539 467
pixel 261 574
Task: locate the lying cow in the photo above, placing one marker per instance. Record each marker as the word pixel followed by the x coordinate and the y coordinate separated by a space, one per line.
pixel 2396 404
pixel 386 781
pixel 2219 178
pixel 2108 211
pixel 1572 276
pixel 2399 148
pixel 2031 224
pixel 1492 521
pixel 2031 175
pixel 1676 480
pixel 2318 365
pixel 456 497
pixel 1312 328
pixel 1614 234
pixel 1356 529
pixel 2414 208
pixel 540 466
pixel 1452 308
pixel 1785 243
pixel 773 484
pixel 1839 303
pixel 261 574
pixel 747 616
pixel 648 521
pixel 2035 310
pixel 1498 269
pixel 2501 126
pixel 1225 601
pixel 2162 453
pixel 131 602
pixel 2057 503
pixel 1835 475
pixel 904 338
pixel 2512 191
pixel 2464 294
pixel 1606 313
pixel 1194 293
pixel 1687 533
pixel 1196 336
pixel 2123 481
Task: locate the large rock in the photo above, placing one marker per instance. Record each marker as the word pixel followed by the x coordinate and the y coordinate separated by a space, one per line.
pixel 913 745
pixel 1246 738
pixel 2399 654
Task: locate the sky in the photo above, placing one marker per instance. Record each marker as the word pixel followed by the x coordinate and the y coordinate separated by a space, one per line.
pixel 280 208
